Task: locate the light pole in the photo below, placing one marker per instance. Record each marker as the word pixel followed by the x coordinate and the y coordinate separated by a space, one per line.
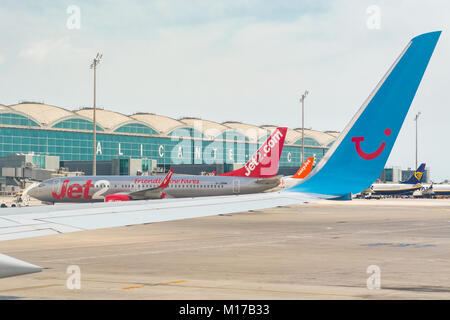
pixel 415 119
pixel 94 64
pixel 302 100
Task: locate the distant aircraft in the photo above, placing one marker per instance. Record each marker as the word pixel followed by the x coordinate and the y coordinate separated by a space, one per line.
pixel 352 164
pixel 436 189
pixel 305 169
pixel 404 188
pixel 259 174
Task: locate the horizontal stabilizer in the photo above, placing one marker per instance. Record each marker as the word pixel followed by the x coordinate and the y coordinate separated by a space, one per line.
pixel 10 267
pixel 268 181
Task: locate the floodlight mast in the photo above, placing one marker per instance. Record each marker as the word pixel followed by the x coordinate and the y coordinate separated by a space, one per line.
pixel 302 100
pixel 94 64
pixel 416 118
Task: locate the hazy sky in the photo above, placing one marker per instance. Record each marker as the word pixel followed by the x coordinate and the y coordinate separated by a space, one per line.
pixel 242 60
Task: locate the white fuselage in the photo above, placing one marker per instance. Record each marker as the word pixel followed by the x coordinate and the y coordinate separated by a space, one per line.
pixel 92 189
pixel 394 188
pixel 436 189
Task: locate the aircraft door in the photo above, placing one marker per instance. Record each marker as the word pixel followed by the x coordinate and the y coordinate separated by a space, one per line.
pixel 56 186
pixel 236 186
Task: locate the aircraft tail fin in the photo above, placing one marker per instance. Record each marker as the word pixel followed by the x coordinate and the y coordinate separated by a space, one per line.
pixel 360 152
pixel 305 169
pixel 417 176
pixel 264 163
pixel 165 183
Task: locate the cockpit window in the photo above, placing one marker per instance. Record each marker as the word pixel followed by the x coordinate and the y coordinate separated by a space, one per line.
pixel 41 185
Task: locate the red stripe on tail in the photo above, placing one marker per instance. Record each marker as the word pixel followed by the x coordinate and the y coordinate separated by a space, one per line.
pixel 264 163
pixel 165 183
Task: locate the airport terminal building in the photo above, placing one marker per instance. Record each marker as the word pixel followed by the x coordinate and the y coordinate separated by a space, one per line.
pixel 188 144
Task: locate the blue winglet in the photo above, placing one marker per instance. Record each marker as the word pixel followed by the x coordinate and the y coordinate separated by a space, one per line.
pixel 360 153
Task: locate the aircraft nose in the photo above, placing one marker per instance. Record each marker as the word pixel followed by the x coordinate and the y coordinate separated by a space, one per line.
pixel 32 192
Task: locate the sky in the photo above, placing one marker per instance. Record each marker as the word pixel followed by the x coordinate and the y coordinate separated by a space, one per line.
pixel 223 60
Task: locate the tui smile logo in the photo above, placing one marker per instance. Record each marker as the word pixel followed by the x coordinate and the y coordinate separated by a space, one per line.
pixel 373 155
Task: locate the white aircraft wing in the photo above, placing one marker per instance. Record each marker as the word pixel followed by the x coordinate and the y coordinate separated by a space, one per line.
pixel 17 223
pixel 30 222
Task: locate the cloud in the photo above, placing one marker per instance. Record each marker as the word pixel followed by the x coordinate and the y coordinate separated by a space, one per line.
pixel 2 59
pixel 41 50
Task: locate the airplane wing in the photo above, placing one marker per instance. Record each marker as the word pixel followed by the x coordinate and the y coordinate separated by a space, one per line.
pixel 351 165
pixel 30 222
pixel 269 181
pixel 145 194
pixel 27 222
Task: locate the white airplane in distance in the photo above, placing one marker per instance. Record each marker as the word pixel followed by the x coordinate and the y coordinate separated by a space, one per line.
pixel 435 189
pixel 407 187
pixel 305 169
pixel 351 165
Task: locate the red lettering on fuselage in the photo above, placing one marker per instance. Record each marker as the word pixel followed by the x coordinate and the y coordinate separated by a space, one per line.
pixel 63 191
pixel 172 181
pixel 74 191
pixel 86 187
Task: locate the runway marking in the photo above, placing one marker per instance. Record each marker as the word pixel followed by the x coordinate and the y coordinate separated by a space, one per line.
pixel 178 281
pixel 131 288
pixel 156 284
pixel 34 287
pixel 399 245
pixel 220 246
pixel 309 290
pixel 401 230
pixel 285 238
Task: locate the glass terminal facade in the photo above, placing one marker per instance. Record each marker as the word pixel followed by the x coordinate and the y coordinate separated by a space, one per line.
pixel 71 140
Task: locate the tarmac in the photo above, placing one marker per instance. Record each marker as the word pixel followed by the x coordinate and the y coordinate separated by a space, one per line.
pixel 360 249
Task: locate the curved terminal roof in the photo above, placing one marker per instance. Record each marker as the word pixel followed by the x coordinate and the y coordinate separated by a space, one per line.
pixel 252 132
pixel 210 129
pixel 322 138
pixel 43 114
pixel 291 137
pixel 106 119
pixel 294 135
pixel 162 124
pixel 333 133
pixel 48 115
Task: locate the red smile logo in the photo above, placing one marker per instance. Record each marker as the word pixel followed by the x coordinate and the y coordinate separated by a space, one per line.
pixel 373 155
